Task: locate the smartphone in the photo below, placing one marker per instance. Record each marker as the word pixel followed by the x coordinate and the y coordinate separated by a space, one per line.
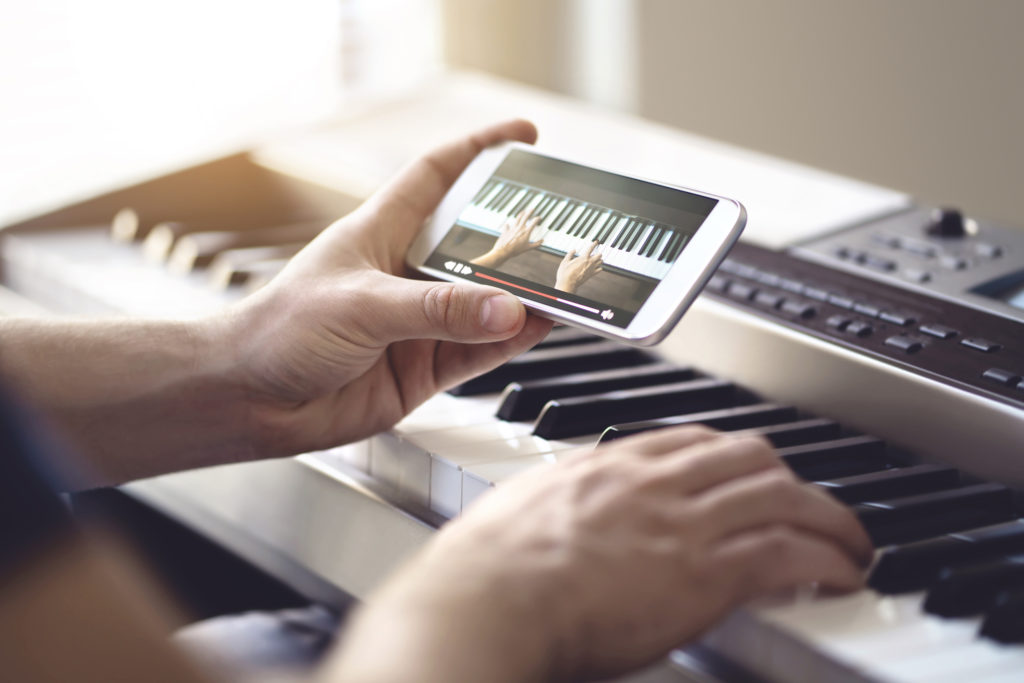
pixel 619 256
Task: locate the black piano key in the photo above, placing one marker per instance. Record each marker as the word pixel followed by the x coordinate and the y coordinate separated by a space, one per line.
pixel 549 362
pixel 624 236
pixel 584 227
pixel 565 335
pixel 554 209
pixel 493 201
pixel 666 237
pixel 590 230
pixel 963 591
pixel 663 254
pixel 523 202
pixel 1004 621
pixel 544 207
pixel 796 433
pixel 621 237
pixel 641 229
pixel 563 216
pixel 512 199
pixel 584 231
pixel 484 191
pixel 579 415
pixel 836 458
pixel 503 196
pixel 525 400
pixel 602 232
pixel 646 243
pixel 915 518
pixel 539 207
pixel 580 220
pixel 634 234
pixel 609 226
pixel 659 246
pixel 680 243
pixel 726 419
pixel 914 566
pixel 652 239
pixel 892 483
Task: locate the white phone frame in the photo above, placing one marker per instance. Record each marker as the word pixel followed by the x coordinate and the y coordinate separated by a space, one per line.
pixel 666 303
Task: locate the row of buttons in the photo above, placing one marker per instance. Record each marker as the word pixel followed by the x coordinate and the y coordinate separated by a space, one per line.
pixel 950 261
pixel 925 250
pixel 976 343
pixel 1004 377
pixel 859 328
pixel 847 323
pixel 745 292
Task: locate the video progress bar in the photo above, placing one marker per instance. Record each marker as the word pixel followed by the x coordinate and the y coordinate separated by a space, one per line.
pixel 589 309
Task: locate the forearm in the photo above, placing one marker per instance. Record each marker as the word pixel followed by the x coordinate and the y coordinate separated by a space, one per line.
pixel 386 644
pixel 137 398
pixel 492 259
pixel 453 614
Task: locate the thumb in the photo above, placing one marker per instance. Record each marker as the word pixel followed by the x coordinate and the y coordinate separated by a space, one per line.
pixel 410 309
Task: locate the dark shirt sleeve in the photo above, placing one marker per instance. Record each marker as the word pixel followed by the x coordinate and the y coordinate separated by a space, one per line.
pixel 32 515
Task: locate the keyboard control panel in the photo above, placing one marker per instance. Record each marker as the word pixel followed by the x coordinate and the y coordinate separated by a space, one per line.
pixel 936 251
pixel 963 345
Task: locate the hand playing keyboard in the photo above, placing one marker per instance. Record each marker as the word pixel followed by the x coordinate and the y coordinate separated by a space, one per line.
pixel 513 240
pixel 607 560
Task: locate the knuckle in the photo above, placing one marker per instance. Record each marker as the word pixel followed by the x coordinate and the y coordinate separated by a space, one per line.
pixel 778 545
pixel 760 451
pixel 782 486
pixel 699 431
pixel 440 305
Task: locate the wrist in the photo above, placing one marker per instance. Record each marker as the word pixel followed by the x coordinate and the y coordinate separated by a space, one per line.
pixel 493 258
pixel 442 636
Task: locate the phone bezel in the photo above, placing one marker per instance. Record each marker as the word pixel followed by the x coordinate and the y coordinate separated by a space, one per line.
pixel 666 303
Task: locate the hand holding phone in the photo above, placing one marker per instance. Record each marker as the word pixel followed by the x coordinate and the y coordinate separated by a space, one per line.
pixel 621 256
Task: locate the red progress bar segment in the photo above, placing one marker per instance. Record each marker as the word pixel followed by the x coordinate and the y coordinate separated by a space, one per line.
pixel 534 291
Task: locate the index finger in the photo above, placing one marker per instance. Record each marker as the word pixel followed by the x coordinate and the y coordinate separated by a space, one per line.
pixel 407 200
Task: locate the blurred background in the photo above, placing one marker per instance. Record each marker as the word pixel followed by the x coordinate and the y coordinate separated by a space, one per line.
pixel 924 96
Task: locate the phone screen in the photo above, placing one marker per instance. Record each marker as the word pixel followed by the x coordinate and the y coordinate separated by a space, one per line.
pixel 575 238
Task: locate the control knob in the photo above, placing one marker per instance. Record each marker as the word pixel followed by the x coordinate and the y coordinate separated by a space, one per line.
pixel 947 223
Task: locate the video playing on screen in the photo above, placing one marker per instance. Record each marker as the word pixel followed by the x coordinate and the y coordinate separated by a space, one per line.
pixel 585 241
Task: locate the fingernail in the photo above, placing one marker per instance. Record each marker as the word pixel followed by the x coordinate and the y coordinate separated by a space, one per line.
pixel 500 313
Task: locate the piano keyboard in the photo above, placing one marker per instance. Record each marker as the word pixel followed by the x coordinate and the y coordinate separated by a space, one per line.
pixel 628 244
pixel 317 519
pixel 946 595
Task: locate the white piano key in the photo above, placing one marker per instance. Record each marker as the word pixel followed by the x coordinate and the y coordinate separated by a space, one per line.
pixel 634 260
pixel 481 479
pixel 595 229
pixel 403 461
pixel 401 465
pixel 356 455
pixel 554 214
pixel 443 411
pixel 620 223
pixel 532 204
pixel 974 659
pixel 889 637
pixel 506 206
pixel 477 479
pixel 446 469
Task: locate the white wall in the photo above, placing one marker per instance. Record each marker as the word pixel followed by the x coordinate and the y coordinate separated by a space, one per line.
pixel 926 96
